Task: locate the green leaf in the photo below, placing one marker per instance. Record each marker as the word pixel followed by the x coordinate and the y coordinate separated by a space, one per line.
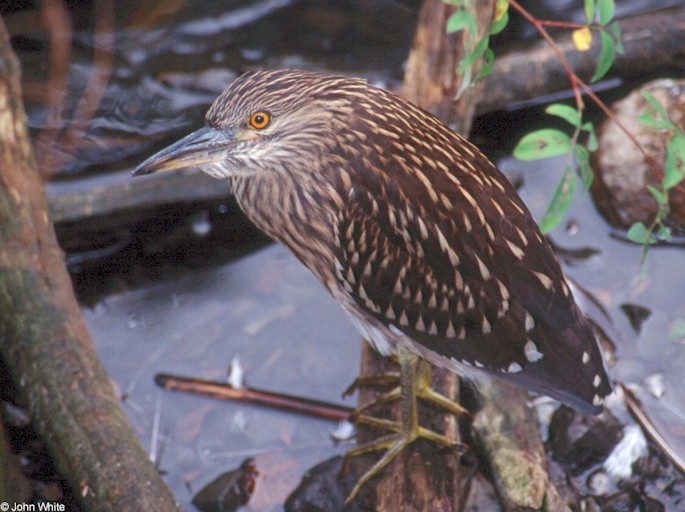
pixel 543 143
pixel 606 9
pixel 465 69
pixel 649 119
pixel 675 161
pixel 592 142
pixel 615 29
pixel 639 234
pixel 460 20
pixel 465 64
pixel 480 48
pixel 561 201
pixel 656 104
pixel 664 233
pixel 487 65
pixel 607 56
pixel 498 25
pixel 590 10
pixel 566 112
pixel 659 195
pixel 583 158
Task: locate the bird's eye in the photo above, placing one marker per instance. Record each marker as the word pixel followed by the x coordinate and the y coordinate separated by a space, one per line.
pixel 260 120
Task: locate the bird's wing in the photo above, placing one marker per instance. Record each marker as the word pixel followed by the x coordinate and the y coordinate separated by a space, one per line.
pixel 467 276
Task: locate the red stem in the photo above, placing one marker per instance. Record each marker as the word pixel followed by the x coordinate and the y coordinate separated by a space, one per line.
pixel 562 24
pixel 578 85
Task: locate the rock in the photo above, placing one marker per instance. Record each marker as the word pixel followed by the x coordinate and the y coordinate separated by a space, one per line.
pixel 621 173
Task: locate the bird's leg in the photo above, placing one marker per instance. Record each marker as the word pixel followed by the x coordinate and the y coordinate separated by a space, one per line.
pixel 414 380
pixel 425 390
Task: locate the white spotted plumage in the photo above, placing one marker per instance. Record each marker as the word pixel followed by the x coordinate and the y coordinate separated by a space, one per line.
pixel 413 230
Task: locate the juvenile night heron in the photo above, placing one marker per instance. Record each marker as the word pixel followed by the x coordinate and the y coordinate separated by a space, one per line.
pixel 418 236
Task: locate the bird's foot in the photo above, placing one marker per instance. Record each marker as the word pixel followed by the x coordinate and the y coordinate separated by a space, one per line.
pixel 393 444
pixel 421 385
pixel 414 381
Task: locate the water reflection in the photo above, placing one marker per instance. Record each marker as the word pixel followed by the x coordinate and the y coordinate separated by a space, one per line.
pixel 290 337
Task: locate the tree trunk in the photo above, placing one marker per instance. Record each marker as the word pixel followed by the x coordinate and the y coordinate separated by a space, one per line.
pixel 14 487
pixel 44 341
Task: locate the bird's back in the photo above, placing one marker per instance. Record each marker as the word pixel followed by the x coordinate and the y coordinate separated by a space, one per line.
pixel 434 243
pixel 416 232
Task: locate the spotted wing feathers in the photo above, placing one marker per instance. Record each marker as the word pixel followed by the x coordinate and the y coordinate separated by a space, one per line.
pixel 462 270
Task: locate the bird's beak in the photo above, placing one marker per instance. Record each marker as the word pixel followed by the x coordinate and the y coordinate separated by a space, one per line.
pixel 201 148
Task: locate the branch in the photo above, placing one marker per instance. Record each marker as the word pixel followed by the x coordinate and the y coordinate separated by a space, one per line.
pixel 45 343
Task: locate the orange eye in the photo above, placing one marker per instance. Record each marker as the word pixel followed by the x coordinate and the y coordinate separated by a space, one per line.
pixel 260 120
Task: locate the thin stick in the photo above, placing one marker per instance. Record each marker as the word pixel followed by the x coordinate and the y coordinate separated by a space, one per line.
pixel 579 85
pixel 638 412
pixel 306 406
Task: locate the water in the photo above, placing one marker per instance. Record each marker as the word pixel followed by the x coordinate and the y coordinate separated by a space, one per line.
pixel 290 336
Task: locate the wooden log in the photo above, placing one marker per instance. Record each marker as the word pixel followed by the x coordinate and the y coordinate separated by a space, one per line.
pixel 44 340
pixel 653 42
pixel 509 439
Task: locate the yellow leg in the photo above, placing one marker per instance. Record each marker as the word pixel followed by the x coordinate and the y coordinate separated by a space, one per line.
pixel 414 381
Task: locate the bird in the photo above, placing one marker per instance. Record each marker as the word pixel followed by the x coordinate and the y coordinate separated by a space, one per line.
pixel 419 237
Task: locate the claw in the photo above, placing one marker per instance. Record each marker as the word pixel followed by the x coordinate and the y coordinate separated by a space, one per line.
pixel 389 379
pixel 393 443
pixel 391 396
pixel 414 381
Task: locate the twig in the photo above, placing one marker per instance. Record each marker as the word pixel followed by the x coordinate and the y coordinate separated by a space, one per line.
pixel 578 84
pixel 638 412
pixel 307 406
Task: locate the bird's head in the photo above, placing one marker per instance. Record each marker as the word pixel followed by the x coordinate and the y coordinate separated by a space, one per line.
pixel 266 121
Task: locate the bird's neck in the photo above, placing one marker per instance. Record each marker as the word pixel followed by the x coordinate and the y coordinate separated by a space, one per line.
pixel 289 211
